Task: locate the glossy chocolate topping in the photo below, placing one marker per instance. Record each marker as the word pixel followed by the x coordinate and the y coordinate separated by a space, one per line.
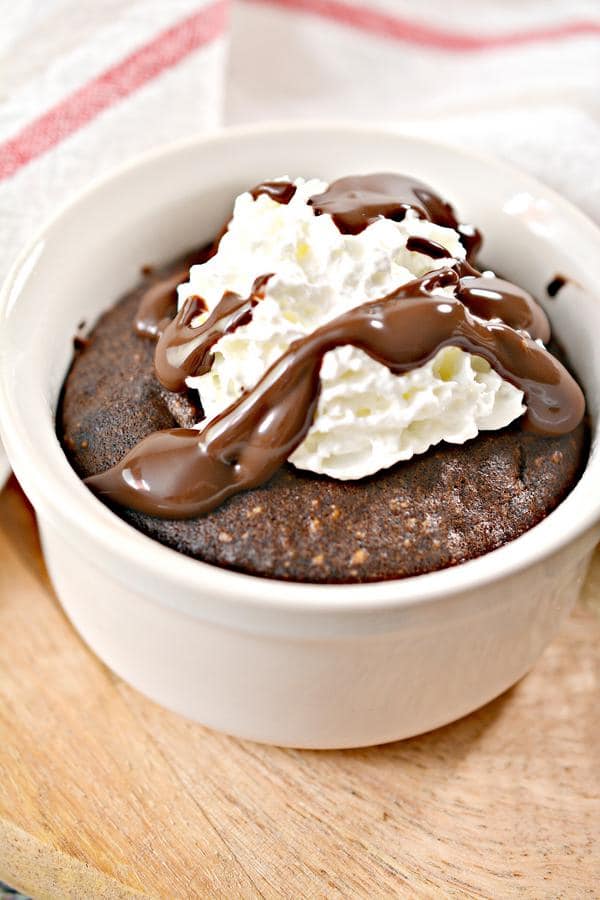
pixel 280 191
pixel 182 473
pixel 156 304
pixel 427 247
pixel 494 298
pixel 184 350
pixel 357 201
pixel 158 301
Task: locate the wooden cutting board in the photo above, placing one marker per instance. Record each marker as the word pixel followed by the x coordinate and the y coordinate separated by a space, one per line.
pixel 105 795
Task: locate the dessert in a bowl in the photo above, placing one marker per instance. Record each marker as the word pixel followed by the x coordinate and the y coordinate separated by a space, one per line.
pixel 331 392
pixel 278 659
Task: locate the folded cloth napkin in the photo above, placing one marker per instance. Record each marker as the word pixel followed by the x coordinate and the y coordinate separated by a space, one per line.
pixel 84 86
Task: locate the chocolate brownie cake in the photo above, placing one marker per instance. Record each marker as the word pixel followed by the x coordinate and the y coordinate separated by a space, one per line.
pixel 436 508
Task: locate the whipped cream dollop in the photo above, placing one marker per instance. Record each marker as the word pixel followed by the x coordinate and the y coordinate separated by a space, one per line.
pixel 367 418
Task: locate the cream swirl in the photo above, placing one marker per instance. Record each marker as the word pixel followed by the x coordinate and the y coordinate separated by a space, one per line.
pixel 367 418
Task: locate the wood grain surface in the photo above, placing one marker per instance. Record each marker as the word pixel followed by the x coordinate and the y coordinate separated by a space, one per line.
pixel 105 795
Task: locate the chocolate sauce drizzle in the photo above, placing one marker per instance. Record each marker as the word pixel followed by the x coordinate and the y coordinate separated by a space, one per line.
pixel 159 301
pixel 427 247
pixel 156 304
pixel 184 350
pixel 494 298
pixel 183 473
pixel 357 201
pixel 280 191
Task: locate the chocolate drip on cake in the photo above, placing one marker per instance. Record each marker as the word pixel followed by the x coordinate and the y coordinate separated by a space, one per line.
pixel 427 247
pixel 280 191
pixel 355 202
pixel 182 473
pixel 184 350
pixel 159 300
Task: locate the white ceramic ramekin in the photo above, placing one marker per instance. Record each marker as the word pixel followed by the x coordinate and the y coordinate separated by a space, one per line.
pixel 300 665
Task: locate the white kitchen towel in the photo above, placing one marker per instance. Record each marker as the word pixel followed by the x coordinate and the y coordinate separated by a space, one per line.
pixel 83 86
pixel 86 85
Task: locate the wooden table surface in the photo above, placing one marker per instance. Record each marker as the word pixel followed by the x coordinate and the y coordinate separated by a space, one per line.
pixel 105 795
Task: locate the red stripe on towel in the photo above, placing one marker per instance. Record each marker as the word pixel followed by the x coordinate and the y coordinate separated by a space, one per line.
pixel 114 84
pixel 392 27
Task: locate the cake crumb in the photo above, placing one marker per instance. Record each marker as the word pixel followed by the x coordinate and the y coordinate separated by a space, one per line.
pixel 315 502
pixel 318 560
pixel 556 457
pixel 255 511
pixel 436 543
pixel 225 537
pixel 359 557
pixel 410 524
pixel 406 542
pixel 360 534
pixel 84 445
pixel 314 525
pixel 396 504
pixel 335 513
